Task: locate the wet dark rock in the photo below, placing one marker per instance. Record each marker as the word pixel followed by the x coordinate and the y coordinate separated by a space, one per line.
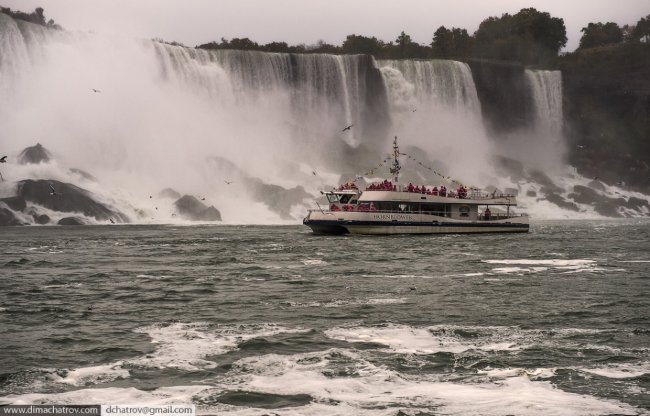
pixel 561 202
pixel 83 174
pixel 34 154
pixel 596 184
pixel 192 209
pixel 71 221
pixel 69 198
pixel 277 198
pixel 509 167
pixel 7 218
pixel 548 186
pixel 602 204
pixel 637 203
pixel 16 203
pixel 169 193
pixel 41 219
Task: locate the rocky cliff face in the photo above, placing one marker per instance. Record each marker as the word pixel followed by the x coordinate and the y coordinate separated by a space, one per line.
pixel 607 113
pixel 504 94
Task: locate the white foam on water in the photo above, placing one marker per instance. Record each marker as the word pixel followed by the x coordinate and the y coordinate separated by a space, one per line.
pixel 540 265
pixel 503 373
pixel 339 303
pixel 184 345
pixel 93 375
pixel 314 262
pixel 377 390
pixel 404 339
pixel 160 396
pixel 546 262
pixel 180 346
pixel 622 370
pixel 520 270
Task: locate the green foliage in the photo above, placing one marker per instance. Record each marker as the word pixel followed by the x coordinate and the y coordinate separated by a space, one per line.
pixel 451 43
pixel 600 34
pixel 529 37
pixel 37 16
pixel 355 44
pixel 641 30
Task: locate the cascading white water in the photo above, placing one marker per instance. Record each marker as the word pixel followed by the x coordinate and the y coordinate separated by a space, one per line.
pixel 166 115
pixel 436 107
pixel 169 116
pixel 546 89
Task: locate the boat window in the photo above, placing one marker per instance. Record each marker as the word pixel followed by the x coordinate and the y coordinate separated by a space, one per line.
pixel 345 198
pixel 435 209
pixel 464 211
pixel 332 198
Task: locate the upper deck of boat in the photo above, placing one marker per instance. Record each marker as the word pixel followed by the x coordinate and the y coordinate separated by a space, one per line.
pixel 472 198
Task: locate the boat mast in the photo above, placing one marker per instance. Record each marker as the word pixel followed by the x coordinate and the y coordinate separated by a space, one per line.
pixel 396 166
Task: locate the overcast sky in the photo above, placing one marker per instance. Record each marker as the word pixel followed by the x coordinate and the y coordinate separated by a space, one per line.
pixel 193 22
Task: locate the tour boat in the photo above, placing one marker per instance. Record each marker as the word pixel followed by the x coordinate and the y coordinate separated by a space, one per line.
pixel 392 208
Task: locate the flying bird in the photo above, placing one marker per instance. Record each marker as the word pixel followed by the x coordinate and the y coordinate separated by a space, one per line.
pixel 94 90
pixel 203 199
pixel 53 190
pixel 313 173
pixel 3 159
pixel 348 127
pixel 112 222
pixel 228 182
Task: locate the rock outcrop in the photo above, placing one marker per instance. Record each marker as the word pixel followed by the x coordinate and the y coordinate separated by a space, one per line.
pixel 68 198
pixel 192 209
pixel 34 154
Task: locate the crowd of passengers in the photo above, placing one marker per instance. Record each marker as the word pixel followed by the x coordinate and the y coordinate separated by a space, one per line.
pixel 349 185
pixel 386 185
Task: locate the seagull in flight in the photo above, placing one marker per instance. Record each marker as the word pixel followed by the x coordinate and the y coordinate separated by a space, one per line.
pixel 228 182
pixel 53 190
pixel 94 90
pixel 112 222
pixel 313 173
pixel 3 159
pixel 203 199
pixel 348 127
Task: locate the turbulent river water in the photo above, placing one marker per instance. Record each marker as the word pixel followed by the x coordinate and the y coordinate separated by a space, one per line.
pixel 254 320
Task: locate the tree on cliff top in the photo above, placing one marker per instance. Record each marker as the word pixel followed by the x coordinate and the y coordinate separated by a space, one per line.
pixel 451 43
pixel 530 37
pixel 356 44
pixel 642 30
pixel 600 34
pixel 37 16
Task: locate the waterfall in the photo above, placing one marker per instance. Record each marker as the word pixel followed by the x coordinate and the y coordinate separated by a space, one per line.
pixel 442 83
pixel 435 107
pixel 546 91
pixel 165 113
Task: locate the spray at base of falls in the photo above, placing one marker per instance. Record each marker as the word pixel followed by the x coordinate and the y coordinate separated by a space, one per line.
pixel 165 112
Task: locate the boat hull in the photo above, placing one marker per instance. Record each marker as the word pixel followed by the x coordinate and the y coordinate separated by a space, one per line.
pixel 364 224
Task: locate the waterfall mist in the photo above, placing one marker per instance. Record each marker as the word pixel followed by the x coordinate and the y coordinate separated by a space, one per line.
pixel 244 130
pixel 168 116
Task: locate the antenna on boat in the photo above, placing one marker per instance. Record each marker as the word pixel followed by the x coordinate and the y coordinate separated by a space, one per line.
pixel 396 166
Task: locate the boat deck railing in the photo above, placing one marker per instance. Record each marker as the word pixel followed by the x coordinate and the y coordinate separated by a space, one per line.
pixel 493 217
pixel 475 195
